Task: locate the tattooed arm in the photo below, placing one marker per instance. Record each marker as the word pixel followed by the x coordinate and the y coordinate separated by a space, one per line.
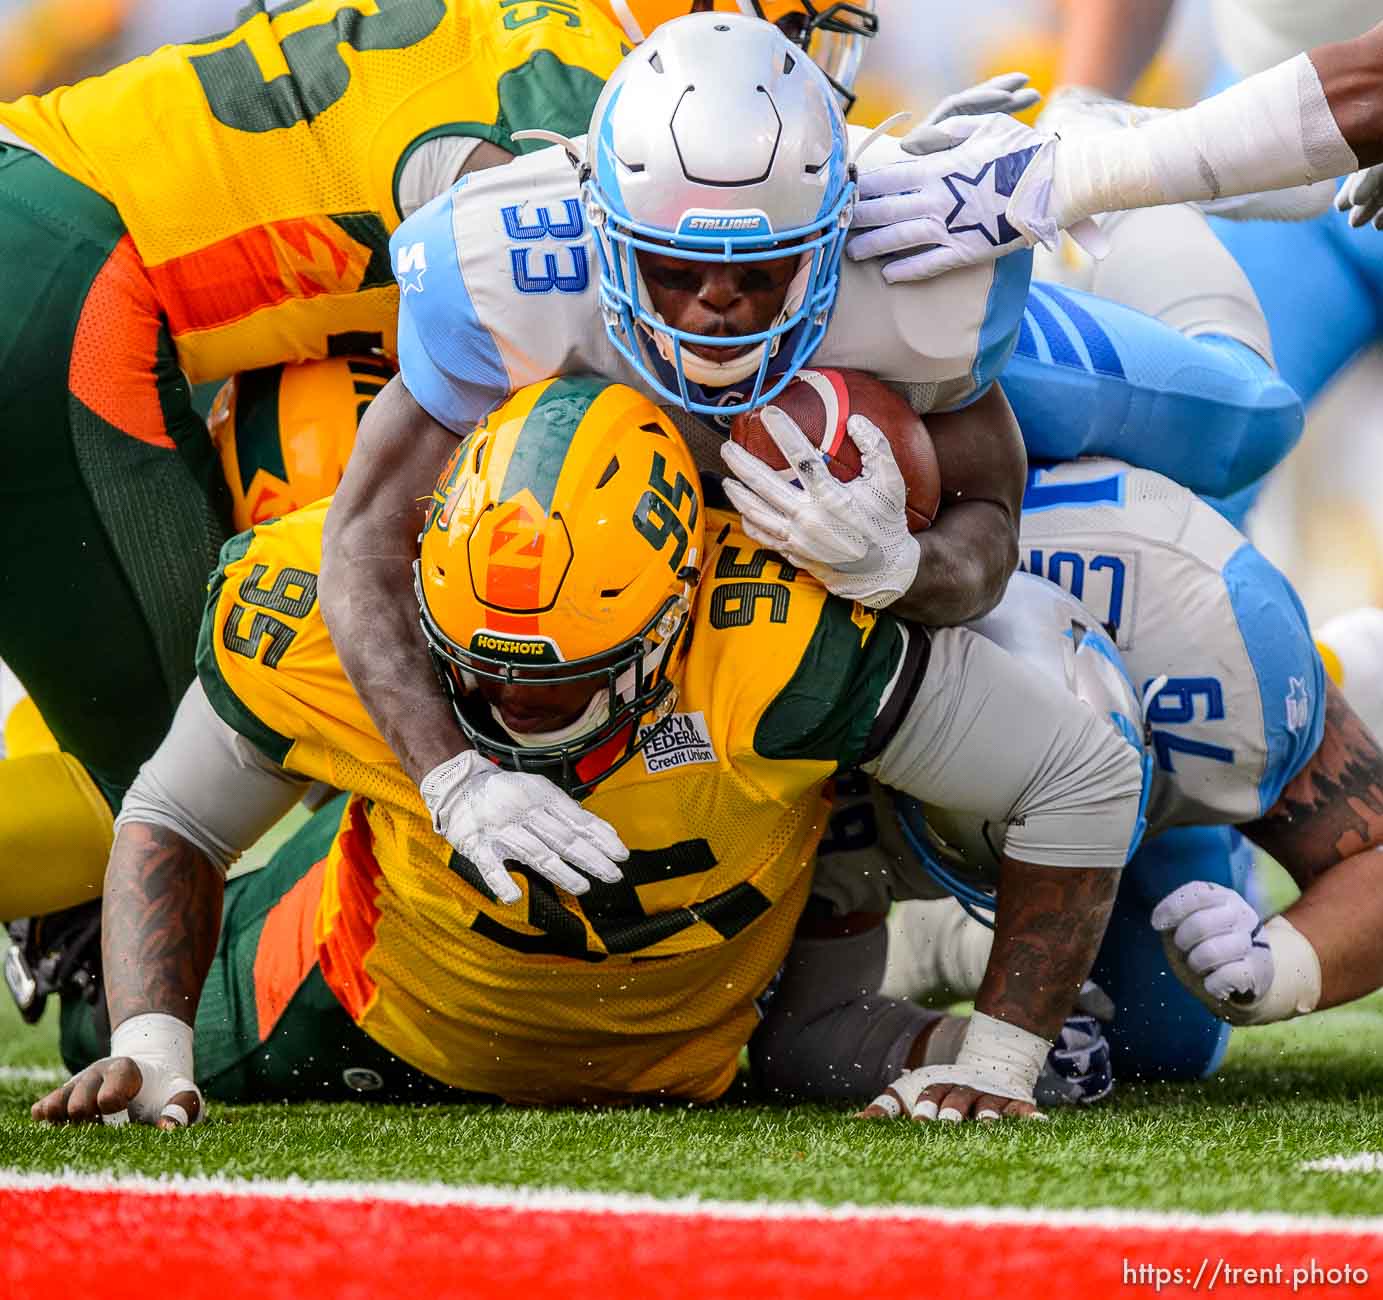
pixel 1327 831
pixel 204 797
pixel 1048 925
pixel 160 918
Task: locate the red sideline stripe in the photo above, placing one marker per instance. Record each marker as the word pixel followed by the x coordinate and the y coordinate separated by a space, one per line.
pixel 113 1243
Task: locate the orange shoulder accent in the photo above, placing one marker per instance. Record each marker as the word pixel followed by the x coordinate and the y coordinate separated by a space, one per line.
pixel 287 951
pixel 115 349
pixel 351 937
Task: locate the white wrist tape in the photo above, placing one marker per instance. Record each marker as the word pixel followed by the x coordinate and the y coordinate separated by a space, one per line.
pixel 162 1048
pixel 1005 1058
pixel 1269 132
pixel 1296 986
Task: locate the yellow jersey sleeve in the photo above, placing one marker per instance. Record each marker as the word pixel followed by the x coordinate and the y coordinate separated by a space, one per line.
pixel 801 675
pixel 257 171
pixel 265 658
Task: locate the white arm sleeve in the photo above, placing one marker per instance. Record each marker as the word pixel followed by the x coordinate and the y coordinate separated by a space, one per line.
pixel 989 736
pixel 434 166
pixel 207 783
pixel 1272 131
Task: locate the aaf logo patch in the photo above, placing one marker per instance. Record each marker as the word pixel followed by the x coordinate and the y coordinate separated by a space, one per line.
pixel 1298 705
pixel 679 742
pixel 410 267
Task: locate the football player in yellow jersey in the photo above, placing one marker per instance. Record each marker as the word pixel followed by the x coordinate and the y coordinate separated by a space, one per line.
pixel 209 209
pixel 681 697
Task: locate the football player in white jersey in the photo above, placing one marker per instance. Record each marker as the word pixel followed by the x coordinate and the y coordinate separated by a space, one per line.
pixel 1244 731
pixel 690 246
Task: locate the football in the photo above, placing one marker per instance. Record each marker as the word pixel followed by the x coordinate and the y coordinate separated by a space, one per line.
pixel 821 402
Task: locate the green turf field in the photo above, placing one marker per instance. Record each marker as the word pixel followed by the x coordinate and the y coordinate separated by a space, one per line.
pixel 1286 1094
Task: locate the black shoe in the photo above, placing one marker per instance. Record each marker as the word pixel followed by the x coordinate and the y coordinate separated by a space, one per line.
pixel 58 953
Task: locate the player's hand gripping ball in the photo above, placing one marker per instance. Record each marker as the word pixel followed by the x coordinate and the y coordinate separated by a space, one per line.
pixel 821 404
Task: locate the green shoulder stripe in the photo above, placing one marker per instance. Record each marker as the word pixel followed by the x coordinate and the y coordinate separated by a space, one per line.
pixel 826 711
pixel 232 710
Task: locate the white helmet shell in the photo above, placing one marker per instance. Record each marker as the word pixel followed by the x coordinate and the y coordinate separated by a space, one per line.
pixel 718 140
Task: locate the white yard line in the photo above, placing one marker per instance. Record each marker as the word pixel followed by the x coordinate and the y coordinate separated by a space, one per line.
pixel 32 1074
pixel 559 1200
pixel 1365 1162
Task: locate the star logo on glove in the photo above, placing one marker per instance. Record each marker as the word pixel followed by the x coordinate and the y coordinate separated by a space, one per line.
pixel 982 199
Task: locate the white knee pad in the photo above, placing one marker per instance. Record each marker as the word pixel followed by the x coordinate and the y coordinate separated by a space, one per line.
pixel 1167 263
pixel 936 952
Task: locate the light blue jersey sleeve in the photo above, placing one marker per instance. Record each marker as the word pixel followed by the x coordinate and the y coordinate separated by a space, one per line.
pixel 1090 377
pixel 448 360
pixel 1286 665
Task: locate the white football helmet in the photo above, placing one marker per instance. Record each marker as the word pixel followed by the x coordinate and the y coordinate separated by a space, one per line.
pixel 718 141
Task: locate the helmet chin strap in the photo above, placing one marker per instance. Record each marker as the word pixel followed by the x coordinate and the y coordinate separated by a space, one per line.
pixel 592 716
pixel 597 710
pixel 721 374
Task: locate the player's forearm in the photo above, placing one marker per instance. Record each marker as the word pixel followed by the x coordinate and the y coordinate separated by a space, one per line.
pixel 1326 829
pixel 967 557
pixel 1106 44
pixel 368 548
pixel 1272 131
pixel 1351 74
pixel 1341 917
pixel 1048 926
pixel 160 918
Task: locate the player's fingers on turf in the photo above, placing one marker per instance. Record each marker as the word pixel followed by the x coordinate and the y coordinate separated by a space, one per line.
pixel 81 1101
pixel 988 1108
pixel 928 1103
pixel 180 1111
pixel 119 1087
pixel 1021 1110
pixel 958 1104
pixel 888 1105
pixel 52 1109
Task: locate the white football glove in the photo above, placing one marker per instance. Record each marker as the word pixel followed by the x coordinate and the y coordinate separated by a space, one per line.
pixel 1006 93
pixel 1213 941
pixel 853 537
pixel 488 815
pixel 1362 197
pixel 956 203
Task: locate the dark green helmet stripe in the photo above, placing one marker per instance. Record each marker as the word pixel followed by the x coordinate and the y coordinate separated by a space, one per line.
pixel 542 444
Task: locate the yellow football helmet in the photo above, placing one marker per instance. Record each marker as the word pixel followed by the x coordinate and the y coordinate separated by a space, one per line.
pixel 833 34
pixel 562 544
pixel 285 433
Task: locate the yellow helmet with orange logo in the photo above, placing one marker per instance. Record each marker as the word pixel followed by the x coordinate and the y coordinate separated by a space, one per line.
pixel 562 544
pixel 833 34
pixel 285 433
